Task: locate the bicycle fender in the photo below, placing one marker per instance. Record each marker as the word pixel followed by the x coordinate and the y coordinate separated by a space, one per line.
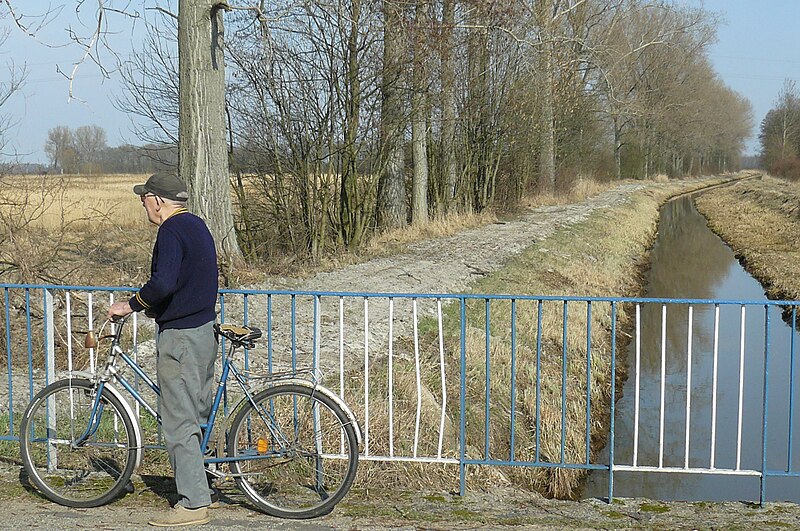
pixel 330 394
pixel 137 430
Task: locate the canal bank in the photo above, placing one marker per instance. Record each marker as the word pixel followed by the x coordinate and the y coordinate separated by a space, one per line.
pixel 760 220
pixel 716 365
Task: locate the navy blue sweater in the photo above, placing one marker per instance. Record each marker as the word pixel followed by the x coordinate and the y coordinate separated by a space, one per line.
pixel 182 290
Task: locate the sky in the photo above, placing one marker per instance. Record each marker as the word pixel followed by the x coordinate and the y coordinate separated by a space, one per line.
pixel 44 101
pixel 757 50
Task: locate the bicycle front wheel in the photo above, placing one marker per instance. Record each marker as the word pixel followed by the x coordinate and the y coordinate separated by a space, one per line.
pixel 70 461
pixel 296 451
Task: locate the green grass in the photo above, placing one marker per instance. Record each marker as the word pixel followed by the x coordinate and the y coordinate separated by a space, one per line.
pixel 654 508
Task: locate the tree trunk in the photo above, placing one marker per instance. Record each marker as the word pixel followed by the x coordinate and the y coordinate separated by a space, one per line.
pixel 203 154
pixel 478 115
pixel 391 208
pixel 449 102
pixel 547 164
pixel 350 208
pixel 419 137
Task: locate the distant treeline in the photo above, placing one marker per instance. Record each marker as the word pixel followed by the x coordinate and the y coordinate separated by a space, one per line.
pixel 84 150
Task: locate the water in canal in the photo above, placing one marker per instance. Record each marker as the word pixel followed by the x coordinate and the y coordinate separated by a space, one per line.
pixel 690 261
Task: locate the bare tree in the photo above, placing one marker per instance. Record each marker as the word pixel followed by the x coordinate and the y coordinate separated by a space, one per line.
pixel 779 134
pixel 391 208
pixel 151 84
pixel 419 118
pixel 60 148
pixel 448 155
pixel 89 141
pixel 9 85
pixel 546 12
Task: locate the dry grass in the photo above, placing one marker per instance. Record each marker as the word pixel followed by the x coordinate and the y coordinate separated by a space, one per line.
pixel 79 201
pixel 437 228
pixel 580 190
pixel 73 229
pixel 760 220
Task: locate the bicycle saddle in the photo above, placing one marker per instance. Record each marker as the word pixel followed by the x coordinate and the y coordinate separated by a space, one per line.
pixel 238 334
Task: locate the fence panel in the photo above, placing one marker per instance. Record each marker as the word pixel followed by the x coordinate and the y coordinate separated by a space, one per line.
pixel 523 383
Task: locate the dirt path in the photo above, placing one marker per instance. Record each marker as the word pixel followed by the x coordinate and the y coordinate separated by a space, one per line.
pixel 440 266
pixel 451 264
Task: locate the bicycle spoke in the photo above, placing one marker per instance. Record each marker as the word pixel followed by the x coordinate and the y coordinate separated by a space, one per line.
pixel 293 462
pixel 73 459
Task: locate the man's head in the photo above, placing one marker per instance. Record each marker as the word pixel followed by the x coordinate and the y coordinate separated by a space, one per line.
pixel 161 195
pixel 165 186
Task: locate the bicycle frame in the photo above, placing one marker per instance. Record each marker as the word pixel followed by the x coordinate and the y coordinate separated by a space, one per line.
pixel 111 374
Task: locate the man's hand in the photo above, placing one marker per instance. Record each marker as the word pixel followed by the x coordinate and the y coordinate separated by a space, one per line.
pixel 119 309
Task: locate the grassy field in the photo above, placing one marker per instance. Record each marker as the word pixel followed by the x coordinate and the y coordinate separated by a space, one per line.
pixel 79 201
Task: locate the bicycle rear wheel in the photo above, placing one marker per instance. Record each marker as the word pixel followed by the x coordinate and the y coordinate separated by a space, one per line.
pixel 88 473
pixel 297 451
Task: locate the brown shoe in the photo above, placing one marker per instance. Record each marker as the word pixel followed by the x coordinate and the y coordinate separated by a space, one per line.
pixel 180 515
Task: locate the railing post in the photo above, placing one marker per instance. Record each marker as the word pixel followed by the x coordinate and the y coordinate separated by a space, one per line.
pixel 765 424
pixel 49 376
pixel 462 426
pixel 613 395
pixel 49 339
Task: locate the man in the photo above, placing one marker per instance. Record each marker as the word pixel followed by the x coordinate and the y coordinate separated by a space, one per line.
pixel 181 294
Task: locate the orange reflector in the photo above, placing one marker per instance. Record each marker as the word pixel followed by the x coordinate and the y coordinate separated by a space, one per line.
pixel 262 445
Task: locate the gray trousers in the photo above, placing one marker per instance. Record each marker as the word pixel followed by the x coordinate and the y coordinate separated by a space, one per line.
pixel 186 378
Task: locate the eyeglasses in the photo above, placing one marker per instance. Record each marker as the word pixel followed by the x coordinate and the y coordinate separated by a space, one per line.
pixel 145 196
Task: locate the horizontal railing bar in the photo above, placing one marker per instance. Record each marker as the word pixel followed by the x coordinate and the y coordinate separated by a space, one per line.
pixel 681 470
pixel 568 298
pixel 433 460
pixel 538 464
pixel 782 474
pixel 478 296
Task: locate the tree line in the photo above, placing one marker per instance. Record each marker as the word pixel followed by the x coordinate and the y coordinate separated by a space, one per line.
pixel 779 135
pixel 347 117
pixel 342 118
pixel 84 150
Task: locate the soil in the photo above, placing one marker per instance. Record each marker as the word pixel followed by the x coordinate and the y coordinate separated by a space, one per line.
pixel 501 508
pixel 441 266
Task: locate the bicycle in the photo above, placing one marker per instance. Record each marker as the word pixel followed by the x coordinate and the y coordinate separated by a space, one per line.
pixel 292 447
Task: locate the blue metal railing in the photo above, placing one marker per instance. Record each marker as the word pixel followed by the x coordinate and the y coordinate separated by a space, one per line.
pixel 532 373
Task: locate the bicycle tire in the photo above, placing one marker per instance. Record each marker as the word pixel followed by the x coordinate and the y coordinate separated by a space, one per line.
pixel 311 470
pixel 88 475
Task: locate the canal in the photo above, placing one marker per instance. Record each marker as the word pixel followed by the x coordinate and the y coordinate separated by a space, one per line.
pixel 689 261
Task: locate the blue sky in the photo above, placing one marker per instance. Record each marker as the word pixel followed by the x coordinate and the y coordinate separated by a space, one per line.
pixel 757 50
pixel 44 101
